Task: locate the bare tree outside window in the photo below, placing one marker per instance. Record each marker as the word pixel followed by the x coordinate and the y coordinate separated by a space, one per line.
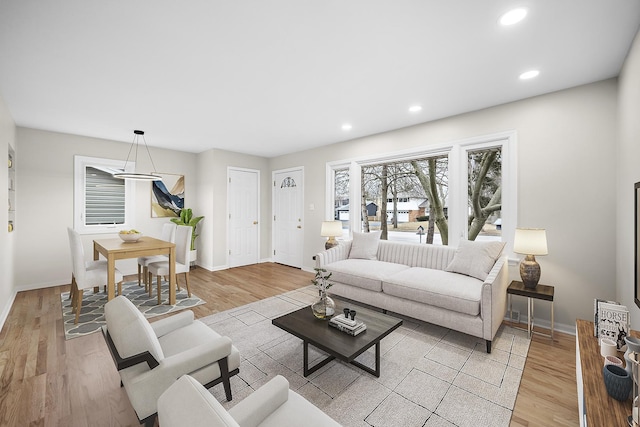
pixel 396 191
pixel 485 192
pixel 433 176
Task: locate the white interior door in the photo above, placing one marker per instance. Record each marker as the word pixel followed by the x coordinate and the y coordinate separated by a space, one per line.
pixel 244 212
pixel 288 190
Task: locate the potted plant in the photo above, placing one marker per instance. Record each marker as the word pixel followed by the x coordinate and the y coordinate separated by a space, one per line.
pixel 187 218
pixel 325 307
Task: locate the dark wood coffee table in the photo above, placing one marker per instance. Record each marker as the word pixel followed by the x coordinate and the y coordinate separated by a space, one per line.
pixel 303 324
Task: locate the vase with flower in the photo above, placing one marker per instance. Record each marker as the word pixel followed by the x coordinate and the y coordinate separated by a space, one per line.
pixel 325 307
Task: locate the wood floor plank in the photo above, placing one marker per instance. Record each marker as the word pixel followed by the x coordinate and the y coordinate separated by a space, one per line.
pixel 48 381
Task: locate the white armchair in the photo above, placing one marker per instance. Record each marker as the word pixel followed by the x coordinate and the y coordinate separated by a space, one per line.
pixel 150 357
pixel 187 403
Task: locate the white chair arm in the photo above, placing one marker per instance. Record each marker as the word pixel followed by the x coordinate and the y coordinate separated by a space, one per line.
pixel 169 324
pixel 253 409
pixel 196 358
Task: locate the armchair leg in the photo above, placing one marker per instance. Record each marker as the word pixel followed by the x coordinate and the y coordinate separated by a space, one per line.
pixel 224 373
pixel 488 347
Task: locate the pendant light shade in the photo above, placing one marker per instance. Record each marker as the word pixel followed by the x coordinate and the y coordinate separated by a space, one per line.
pixel 136 175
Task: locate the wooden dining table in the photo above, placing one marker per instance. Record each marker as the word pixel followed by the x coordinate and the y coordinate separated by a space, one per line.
pixel 115 249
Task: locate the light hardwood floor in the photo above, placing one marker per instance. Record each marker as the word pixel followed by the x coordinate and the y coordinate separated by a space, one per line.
pixel 48 381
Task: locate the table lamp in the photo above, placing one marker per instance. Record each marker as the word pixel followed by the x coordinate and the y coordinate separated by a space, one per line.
pixel 530 242
pixel 331 229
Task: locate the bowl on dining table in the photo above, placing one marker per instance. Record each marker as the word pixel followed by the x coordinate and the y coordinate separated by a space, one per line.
pixel 130 236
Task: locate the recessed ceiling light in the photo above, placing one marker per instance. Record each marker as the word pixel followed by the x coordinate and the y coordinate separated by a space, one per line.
pixel 415 108
pixel 529 74
pixel 346 126
pixel 513 16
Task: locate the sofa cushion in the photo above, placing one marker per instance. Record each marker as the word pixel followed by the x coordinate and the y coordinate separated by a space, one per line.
pixel 475 259
pixel 365 245
pixel 363 273
pixel 439 288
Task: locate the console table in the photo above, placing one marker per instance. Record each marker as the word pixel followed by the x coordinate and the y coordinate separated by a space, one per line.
pixel 596 407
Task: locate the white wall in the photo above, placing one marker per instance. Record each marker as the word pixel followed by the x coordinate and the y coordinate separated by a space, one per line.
pixel 212 176
pixel 566 177
pixel 7 240
pixel 45 200
pixel 628 161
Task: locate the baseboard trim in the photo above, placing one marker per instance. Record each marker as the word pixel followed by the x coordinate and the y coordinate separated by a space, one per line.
pixel 4 314
pixel 546 324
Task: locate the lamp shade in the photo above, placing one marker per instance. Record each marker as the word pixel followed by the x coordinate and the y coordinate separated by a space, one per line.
pixel 530 241
pixel 331 229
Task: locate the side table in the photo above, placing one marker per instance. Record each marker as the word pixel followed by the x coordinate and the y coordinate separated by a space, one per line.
pixel 540 292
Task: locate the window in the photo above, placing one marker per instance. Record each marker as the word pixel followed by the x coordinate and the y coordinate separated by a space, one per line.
pixel 437 194
pixel 341 198
pixel 484 177
pixel 102 203
pixel 400 199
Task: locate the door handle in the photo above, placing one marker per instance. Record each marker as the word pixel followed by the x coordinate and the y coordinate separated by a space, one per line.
pixel 299 226
pixel 255 222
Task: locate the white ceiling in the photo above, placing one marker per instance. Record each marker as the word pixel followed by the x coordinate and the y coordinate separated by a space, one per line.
pixel 269 77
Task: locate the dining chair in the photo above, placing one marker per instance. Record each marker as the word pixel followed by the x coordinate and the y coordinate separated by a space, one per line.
pixel 183 249
pixel 85 274
pixel 168 235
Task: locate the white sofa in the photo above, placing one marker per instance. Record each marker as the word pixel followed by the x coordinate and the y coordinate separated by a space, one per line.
pixel 420 281
pixel 188 403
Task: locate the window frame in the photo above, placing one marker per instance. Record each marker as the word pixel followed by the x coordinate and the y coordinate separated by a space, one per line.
pixel 457 152
pixel 79 196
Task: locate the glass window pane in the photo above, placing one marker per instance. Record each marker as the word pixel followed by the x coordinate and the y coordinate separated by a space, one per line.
pixel 485 194
pixel 104 198
pixel 398 199
pixel 341 199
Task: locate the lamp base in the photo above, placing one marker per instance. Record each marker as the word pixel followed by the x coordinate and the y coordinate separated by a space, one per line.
pixel 331 242
pixel 530 272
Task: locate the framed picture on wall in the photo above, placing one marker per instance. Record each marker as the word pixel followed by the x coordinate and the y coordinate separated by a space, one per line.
pixel 167 196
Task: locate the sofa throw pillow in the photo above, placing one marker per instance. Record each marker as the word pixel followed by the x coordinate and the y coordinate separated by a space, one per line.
pixel 475 259
pixel 365 245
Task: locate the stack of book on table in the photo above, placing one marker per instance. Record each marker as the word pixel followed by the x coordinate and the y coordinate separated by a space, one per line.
pixel 349 326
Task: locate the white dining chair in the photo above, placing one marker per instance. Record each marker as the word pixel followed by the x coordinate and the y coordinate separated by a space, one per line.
pixel 86 274
pixel 183 249
pixel 168 235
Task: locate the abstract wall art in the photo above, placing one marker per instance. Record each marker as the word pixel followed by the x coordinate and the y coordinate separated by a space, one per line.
pixel 167 196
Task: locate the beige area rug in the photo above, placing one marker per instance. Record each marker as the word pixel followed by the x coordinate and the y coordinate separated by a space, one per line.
pixel 430 376
pixel 92 311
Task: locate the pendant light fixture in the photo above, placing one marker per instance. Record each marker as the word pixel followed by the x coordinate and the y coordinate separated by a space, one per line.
pixel 135 175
